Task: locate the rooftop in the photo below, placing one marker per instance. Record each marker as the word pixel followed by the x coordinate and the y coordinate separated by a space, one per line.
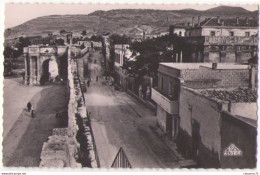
pixel 227 66
pixel 242 22
pixel 239 95
pixel 185 66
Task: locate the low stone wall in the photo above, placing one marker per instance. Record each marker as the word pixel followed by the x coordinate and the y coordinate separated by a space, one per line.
pixel 64 145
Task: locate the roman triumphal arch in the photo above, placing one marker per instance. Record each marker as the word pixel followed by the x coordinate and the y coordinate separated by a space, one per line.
pixel 44 63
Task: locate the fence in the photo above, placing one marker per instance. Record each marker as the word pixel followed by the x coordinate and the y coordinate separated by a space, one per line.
pixel 121 160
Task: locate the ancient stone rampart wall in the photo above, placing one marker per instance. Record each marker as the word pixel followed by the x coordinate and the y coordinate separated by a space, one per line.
pixel 71 146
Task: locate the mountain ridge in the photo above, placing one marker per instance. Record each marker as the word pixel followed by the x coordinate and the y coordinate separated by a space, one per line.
pixel 121 21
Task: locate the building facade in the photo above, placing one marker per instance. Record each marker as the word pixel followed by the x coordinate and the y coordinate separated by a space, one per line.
pixel 194 120
pixel 221 40
pixel 122 52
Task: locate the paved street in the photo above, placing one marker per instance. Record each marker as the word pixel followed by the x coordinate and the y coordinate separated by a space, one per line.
pixel 24 135
pixel 119 120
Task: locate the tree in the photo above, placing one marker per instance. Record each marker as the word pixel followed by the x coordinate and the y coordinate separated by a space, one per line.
pixel 83 33
pixel 119 39
pixel 97 38
pixel 62 31
pixel 8 52
pixel 59 41
pixel 153 51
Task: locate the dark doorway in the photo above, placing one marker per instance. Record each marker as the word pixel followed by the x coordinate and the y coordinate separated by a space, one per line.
pixel 195 138
pixel 169 125
pixel 45 72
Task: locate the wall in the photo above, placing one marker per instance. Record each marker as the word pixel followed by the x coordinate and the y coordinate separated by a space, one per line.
pixel 239 109
pixel 199 134
pixel 193 32
pixel 243 136
pixel 178 30
pixel 226 31
pixel 161 118
pixel 72 146
pixel 169 86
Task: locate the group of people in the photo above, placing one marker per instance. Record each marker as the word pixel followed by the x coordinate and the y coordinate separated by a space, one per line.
pixel 30 108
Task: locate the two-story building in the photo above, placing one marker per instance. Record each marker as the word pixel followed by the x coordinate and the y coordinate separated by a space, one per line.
pixel 190 112
pixel 221 40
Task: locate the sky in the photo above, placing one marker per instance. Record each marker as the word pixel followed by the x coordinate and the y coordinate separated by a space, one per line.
pixel 16 14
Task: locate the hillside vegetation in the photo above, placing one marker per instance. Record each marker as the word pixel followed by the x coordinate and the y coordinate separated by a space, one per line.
pixel 121 21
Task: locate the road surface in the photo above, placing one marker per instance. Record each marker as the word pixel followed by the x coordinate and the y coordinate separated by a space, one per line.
pixel 119 120
pixel 24 135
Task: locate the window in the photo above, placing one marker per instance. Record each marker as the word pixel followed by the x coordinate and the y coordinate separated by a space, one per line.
pixel 231 33
pixel 212 33
pixel 247 33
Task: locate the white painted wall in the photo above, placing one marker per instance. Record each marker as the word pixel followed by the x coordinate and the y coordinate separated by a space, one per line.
pixel 226 32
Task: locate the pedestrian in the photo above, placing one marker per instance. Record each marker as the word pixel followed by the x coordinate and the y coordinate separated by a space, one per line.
pixel 32 111
pixel 29 106
pixel 88 83
pixel 97 79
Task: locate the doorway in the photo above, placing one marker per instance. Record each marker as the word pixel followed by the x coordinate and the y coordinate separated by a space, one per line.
pixel 45 72
pixel 169 121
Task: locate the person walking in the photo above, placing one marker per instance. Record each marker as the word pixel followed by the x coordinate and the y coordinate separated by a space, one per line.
pixel 88 83
pixel 97 79
pixel 32 111
pixel 29 106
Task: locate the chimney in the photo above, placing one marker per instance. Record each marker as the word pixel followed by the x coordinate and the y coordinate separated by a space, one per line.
pixel 237 20
pixel 192 22
pixel 246 20
pixel 198 20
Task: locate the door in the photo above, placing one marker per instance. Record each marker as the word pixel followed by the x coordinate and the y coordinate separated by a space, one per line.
pixel 169 125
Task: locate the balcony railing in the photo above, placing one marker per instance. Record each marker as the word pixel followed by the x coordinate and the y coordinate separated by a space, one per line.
pixel 172 107
pixel 230 40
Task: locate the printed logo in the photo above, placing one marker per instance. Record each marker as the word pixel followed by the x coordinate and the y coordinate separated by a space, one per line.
pixel 232 150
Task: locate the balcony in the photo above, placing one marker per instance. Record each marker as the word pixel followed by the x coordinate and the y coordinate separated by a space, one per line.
pixel 172 107
pixel 231 40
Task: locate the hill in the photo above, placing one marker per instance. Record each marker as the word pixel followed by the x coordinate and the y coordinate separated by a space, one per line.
pixel 121 21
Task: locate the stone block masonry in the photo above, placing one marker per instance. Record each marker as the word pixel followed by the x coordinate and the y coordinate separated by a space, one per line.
pixel 71 146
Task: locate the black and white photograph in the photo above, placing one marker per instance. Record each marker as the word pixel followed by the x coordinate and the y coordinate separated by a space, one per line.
pixel 130 86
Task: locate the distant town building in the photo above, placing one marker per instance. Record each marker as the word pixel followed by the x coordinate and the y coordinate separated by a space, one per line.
pixel 221 40
pixel 177 29
pixel 196 103
pixel 85 43
pixel 122 52
pixel 97 45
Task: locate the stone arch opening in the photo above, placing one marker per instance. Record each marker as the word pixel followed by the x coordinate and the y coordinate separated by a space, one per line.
pixel 45 75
